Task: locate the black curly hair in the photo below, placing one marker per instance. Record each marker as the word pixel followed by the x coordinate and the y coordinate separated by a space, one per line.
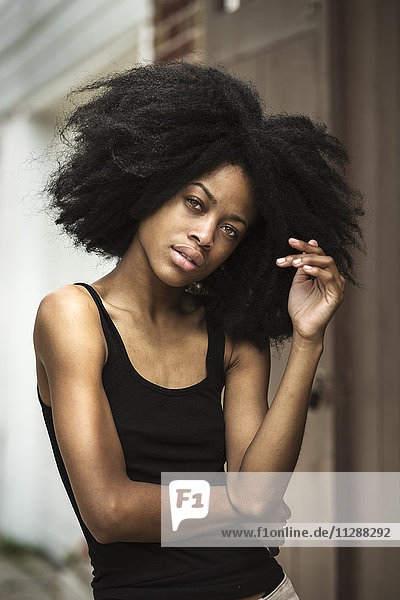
pixel 149 131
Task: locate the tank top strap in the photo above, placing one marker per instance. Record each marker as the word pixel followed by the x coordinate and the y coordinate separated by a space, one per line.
pixel 215 355
pixel 96 298
pixel 106 321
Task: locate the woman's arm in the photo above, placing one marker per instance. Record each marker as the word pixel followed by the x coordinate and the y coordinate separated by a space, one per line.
pixel 70 344
pixel 271 439
pixel 316 292
pixel 259 439
pixel 285 421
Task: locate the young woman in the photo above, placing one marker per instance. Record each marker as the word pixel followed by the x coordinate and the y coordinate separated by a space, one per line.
pixel 232 229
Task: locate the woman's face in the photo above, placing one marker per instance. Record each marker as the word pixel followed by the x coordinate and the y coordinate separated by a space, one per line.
pixel 195 231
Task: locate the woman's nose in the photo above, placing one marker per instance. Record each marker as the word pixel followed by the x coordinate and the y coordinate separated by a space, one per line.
pixel 204 235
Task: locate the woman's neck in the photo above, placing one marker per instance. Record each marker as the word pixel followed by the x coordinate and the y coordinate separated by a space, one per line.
pixel 132 285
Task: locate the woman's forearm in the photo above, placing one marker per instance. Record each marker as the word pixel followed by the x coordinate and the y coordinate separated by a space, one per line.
pixel 138 507
pixel 276 446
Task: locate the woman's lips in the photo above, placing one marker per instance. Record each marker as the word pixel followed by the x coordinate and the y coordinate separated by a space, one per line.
pixel 190 253
pixel 183 262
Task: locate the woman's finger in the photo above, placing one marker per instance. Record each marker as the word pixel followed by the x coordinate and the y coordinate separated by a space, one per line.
pixel 322 262
pixel 313 255
pixel 326 277
pixel 313 260
pixel 306 246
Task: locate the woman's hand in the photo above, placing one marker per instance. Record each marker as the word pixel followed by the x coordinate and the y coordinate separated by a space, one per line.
pixel 316 292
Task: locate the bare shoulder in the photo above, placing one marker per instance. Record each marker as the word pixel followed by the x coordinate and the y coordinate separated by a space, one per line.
pixel 244 353
pixel 64 315
pixel 68 297
pixel 63 306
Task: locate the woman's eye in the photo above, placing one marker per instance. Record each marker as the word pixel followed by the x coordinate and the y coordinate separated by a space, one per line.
pixel 198 205
pixel 232 232
pixel 194 202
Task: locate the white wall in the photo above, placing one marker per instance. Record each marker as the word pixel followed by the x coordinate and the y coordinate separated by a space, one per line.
pixel 46 47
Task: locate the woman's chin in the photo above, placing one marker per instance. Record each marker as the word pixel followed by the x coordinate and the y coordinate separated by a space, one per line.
pixel 175 280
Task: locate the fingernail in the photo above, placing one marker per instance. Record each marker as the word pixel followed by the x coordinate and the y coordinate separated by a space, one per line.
pixel 293 240
pixel 280 260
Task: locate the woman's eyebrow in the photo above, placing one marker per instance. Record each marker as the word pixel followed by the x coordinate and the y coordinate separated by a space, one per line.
pixel 214 202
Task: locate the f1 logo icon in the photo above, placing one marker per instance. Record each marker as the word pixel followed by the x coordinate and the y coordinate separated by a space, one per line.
pixel 189 499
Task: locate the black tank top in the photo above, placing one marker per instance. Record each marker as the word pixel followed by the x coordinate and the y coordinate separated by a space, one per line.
pixel 163 429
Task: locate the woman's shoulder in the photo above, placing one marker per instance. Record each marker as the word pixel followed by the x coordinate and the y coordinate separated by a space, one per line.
pixel 66 308
pixel 243 352
pixel 68 299
pixel 67 320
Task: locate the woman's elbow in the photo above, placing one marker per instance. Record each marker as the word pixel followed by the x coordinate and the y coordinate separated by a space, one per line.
pixel 272 512
pixel 101 536
pixel 104 524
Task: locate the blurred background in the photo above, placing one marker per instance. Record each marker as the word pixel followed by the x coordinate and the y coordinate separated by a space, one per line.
pixel 335 60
